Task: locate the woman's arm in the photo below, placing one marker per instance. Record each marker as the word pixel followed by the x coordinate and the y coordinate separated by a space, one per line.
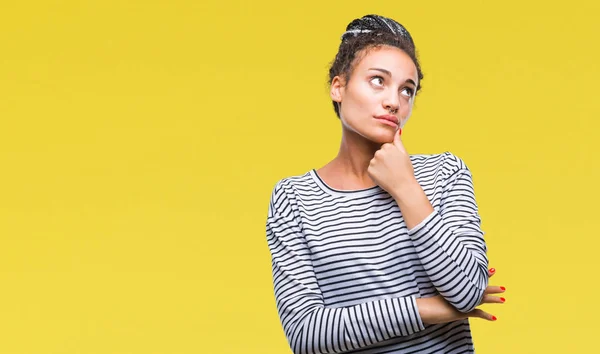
pixel 449 242
pixel 310 326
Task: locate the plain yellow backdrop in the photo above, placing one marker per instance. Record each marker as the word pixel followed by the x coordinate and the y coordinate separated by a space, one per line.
pixel 140 142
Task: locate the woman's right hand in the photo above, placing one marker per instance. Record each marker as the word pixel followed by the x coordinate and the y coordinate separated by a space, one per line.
pixel 436 309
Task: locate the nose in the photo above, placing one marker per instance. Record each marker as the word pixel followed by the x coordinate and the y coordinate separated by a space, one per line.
pixel 392 104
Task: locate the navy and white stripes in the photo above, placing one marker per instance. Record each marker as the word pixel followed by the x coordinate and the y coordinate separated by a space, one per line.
pixel 347 271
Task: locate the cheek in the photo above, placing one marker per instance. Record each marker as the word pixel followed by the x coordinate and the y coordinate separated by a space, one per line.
pixel 362 99
pixel 357 106
pixel 406 112
pixel 403 122
pixel 350 103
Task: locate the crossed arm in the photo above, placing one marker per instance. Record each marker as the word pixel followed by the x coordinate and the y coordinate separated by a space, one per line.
pixel 448 241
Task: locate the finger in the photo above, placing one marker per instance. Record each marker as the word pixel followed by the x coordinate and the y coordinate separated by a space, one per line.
pixel 489 299
pixel 482 314
pixel 491 272
pixel 397 140
pixel 492 289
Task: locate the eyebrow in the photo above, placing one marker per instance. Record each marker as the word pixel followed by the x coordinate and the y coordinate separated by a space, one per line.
pixel 387 72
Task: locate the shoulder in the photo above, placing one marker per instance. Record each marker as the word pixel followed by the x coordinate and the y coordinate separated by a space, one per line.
pixel 285 192
pixel 445 159
pixel 445 164
pixel 454 163
pixel 288 185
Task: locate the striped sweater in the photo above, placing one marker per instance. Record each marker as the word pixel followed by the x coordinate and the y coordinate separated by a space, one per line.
pixel 347 271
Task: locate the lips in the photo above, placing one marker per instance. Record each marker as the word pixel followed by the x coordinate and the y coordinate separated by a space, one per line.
pixel 388 117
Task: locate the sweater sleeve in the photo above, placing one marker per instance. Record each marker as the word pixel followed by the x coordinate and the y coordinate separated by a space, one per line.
pixel 309 325
pixel 451 246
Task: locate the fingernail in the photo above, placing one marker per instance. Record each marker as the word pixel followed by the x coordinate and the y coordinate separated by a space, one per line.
pixel 399 131
pixel 502 288
pixel 502 299
pixel 492 270
pixel 494 318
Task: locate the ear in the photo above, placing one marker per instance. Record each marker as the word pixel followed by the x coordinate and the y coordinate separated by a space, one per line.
pixel 337 89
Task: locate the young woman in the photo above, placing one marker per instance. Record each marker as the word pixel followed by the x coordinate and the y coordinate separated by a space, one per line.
pixel 378 251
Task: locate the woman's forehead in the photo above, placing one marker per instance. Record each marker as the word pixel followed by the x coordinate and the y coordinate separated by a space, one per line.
pixel 392 59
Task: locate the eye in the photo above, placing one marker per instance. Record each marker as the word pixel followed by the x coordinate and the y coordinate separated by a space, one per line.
pixel 377 81
pixel 408 92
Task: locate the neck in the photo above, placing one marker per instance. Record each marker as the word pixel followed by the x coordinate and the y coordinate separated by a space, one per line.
pixel 354 157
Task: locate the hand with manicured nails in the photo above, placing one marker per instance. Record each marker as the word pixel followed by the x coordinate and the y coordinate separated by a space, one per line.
pixel 436 309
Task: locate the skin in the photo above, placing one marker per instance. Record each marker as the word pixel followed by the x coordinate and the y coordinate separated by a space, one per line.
pixel 372 153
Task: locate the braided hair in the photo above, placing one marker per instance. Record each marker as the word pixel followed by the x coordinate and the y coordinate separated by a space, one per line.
pixel 370 31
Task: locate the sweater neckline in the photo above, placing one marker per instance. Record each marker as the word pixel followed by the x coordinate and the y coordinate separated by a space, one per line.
pixel 343 193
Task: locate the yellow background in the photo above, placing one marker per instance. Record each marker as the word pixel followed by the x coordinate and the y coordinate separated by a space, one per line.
pixel 140 142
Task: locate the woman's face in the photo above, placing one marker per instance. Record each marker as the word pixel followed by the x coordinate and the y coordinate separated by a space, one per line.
pixel 385 78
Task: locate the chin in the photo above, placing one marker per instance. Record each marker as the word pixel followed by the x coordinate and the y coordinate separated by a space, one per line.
pixel 381 136
pixel 377 134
